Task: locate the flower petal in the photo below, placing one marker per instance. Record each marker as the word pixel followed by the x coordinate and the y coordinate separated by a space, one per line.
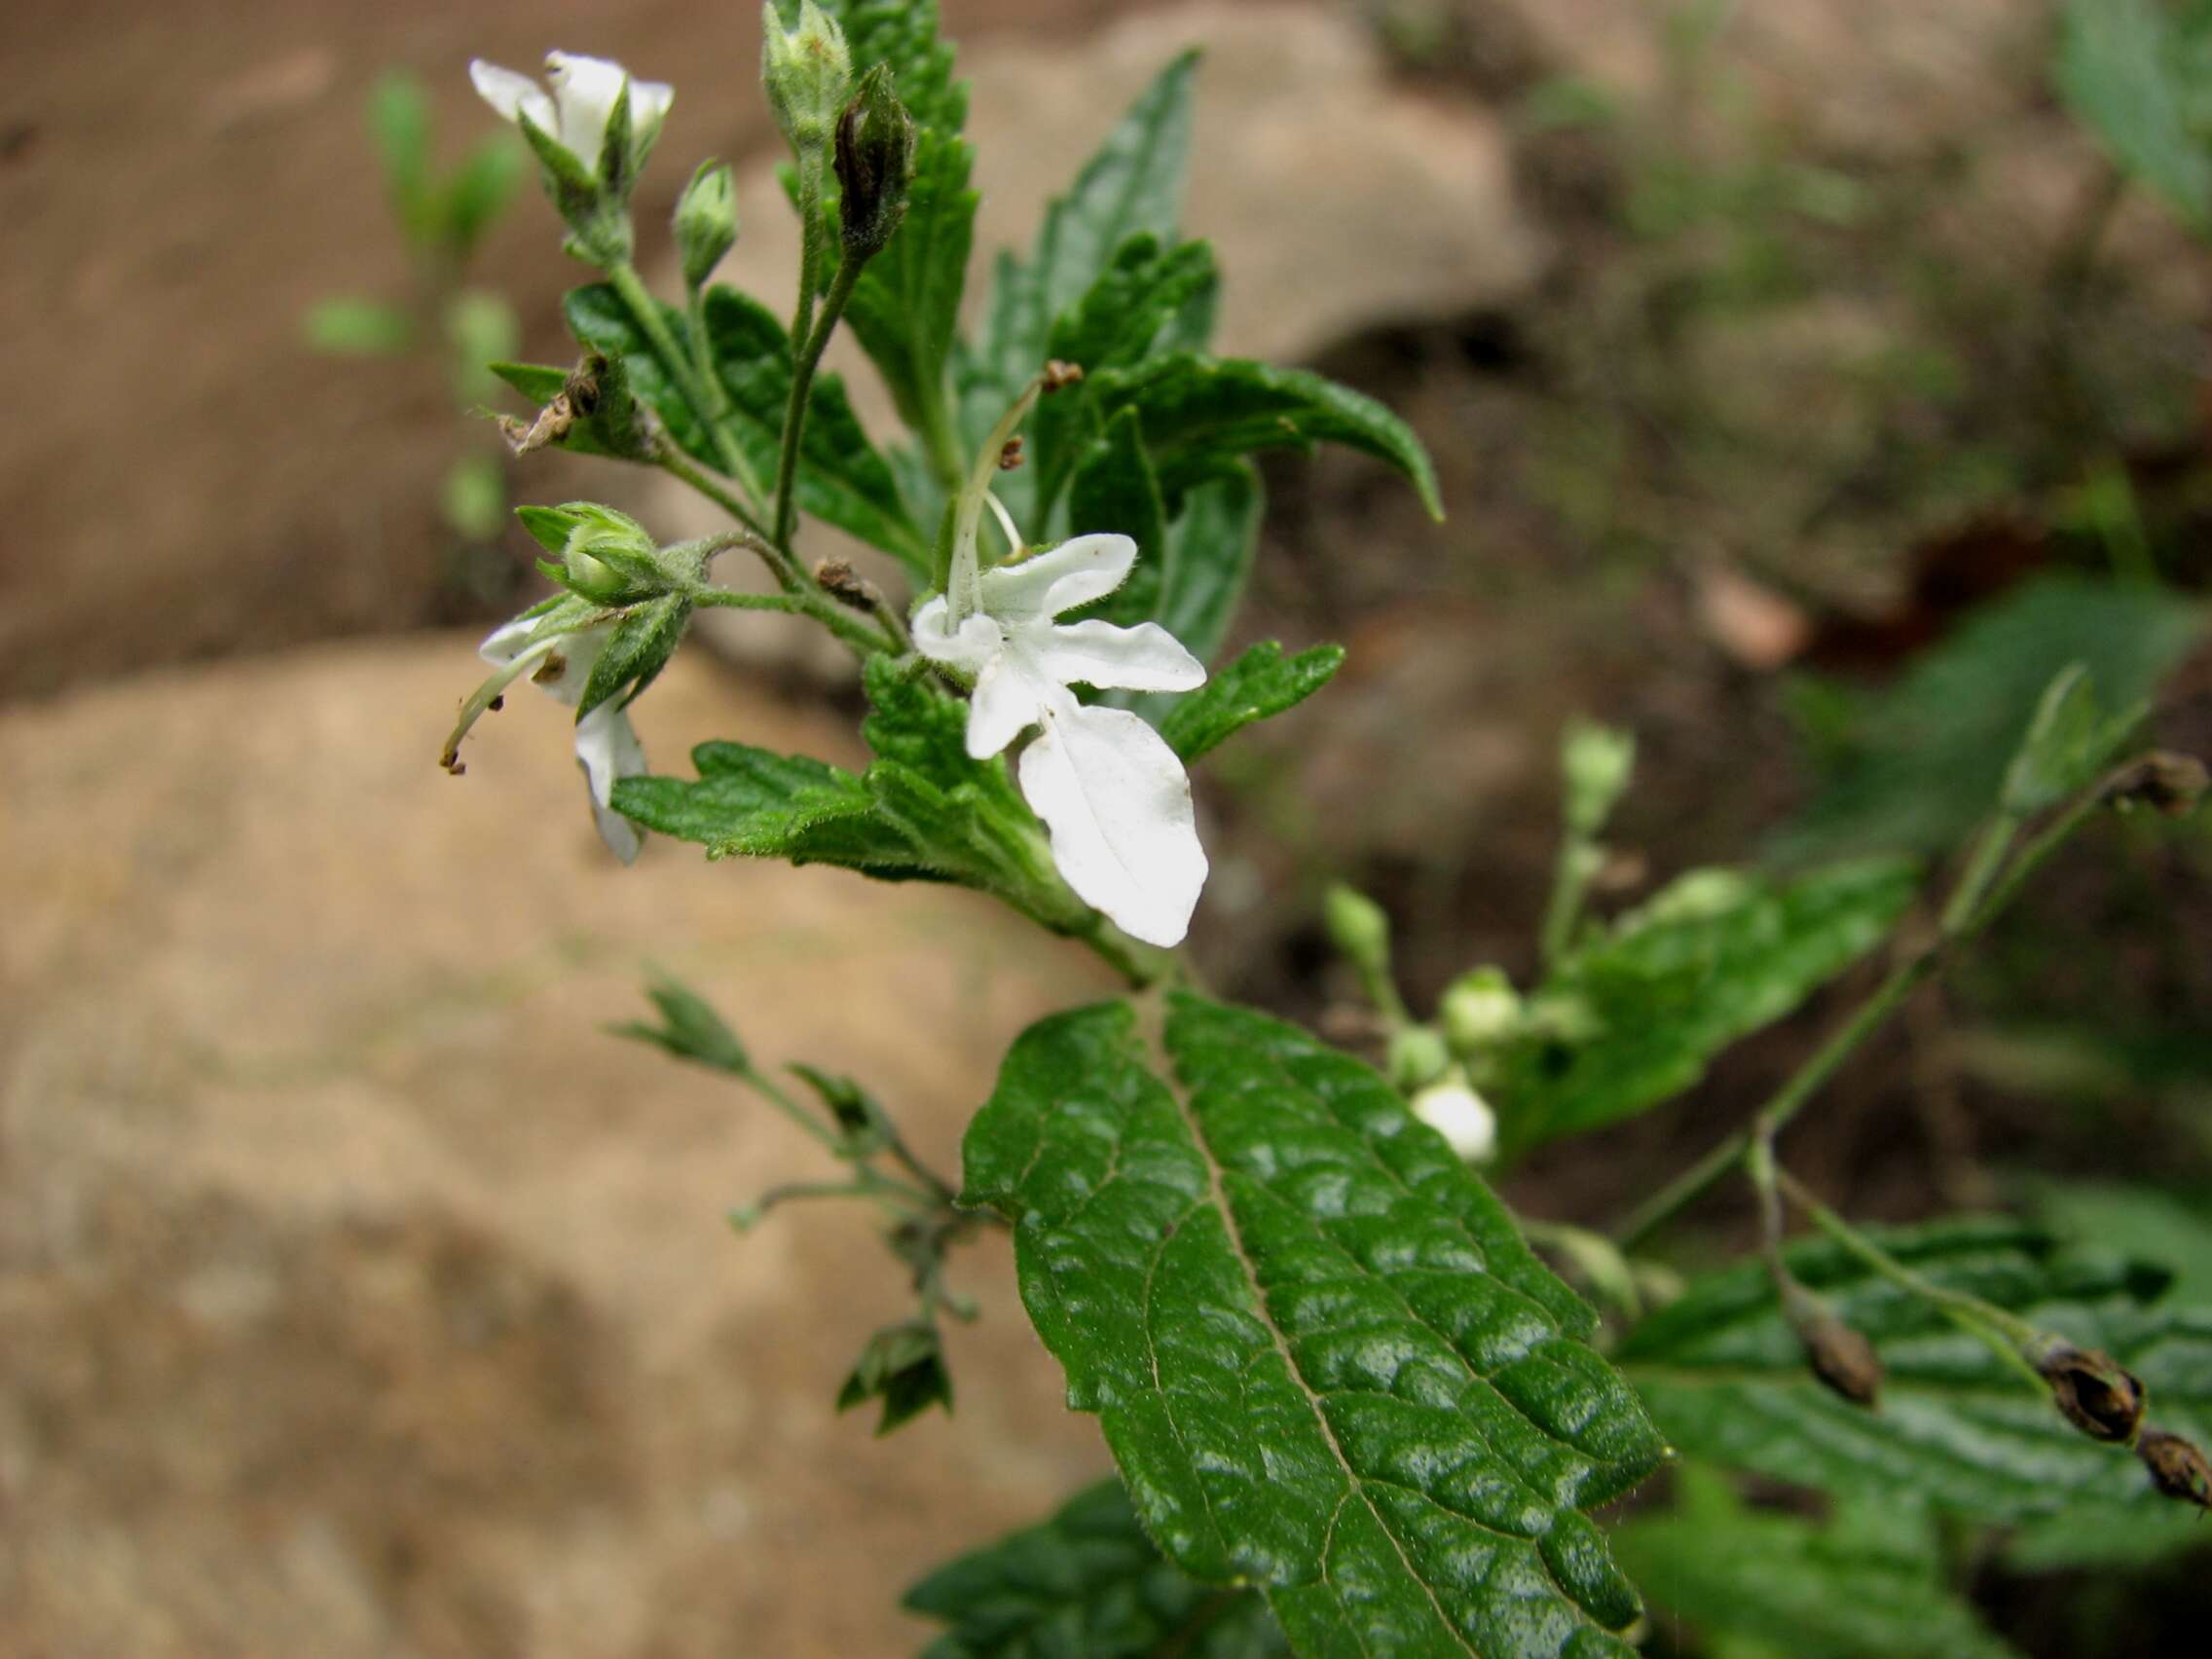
pixel 1117 803
pixel 970 648
pixel 1143 658
pixel 567 663
pixel 511 93
pixel 608 749
pixel 1073 573
pixel 650 102
pixel 585 87
pixel 1010 696
pixel 1462 1117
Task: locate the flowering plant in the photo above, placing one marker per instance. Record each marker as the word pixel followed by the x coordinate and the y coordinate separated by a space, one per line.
pixel 1352 1409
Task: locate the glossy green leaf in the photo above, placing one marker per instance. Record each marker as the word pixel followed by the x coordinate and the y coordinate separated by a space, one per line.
pixel 1259 683
pixel 1921 764
pixel 2069 741
pixel 600 320
pixel 1862 1586
pixel 1959 1427
pixel 2170 1230
pixel 1322 1355
pixel 1201 413
pixel 1088 1584
pixel 2122 71
pixel 690 1030
pixel 1642 1007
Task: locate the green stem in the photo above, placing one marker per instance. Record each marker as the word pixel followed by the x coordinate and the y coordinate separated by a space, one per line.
pixel 677 465
pixel 644 310
pixel 810 161
pixel 803 365
pixel 2005 1331
pixel 1578 860
pixel 822 1130
pixel 1980 897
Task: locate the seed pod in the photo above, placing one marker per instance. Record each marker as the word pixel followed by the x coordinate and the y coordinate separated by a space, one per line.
pixel 1841 1356
pixel 2092 1390
pixel 874 161
pixel 2177 1467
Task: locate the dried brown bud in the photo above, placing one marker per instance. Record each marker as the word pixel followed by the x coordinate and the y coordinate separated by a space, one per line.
pixel 1010 457
pixel 2094 1393
pixel 1060 376
pixel 2166 782
pixel 1839 1356
pixel 552 425
pixel 2177 1467
pixel 847 586
pixel 1845 1361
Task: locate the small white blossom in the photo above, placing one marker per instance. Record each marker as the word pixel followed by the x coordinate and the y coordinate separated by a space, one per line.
pixel 1462 1117
pixel 581 102
pixel 607 748
pixel 1113 794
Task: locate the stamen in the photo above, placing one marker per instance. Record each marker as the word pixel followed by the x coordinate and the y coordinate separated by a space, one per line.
pixel 487 697
pixel 1006 525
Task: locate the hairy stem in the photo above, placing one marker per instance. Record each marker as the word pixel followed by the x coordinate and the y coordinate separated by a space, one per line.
pixel 808 357
pixel 710 409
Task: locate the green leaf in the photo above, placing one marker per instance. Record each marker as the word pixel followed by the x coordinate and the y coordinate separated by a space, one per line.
pixel 906 308
pixel 1086 1584
pixel 1259 683
pixel 2069 741
pixel 1210 547
pixel 1323 1357
pixel 600 320
pixel 905 34
pixel 924 810
pixel 2170 1230
pixel 1929 755
pixel 1114 490
pixel 690 1030
pixel 399 125
pixel 1113 326
pixel 349 327
pixel 637 650
pixel 1201 413
pixel 480 190
pixel 1650 1000
pixel 2121 72
pixel 1865 1586
pixel 903 1367
pixel 1960 1428
pixel 842 478
pixel 1132 186
pixel 748 801
pixel 539 383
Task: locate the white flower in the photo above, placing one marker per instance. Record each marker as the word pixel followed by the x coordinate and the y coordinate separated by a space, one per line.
pixel 1114 795
pixel 584 90
pixel 607 748
pixel 1462 1117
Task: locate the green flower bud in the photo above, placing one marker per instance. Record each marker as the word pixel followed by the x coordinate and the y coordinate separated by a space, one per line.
pixel 609 557
pixel 1597 762
pixel 874 161
pixel 706 221
pixel 1481 1009
pixel 1359 928
pixel 1417 1057
pixel 807 71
